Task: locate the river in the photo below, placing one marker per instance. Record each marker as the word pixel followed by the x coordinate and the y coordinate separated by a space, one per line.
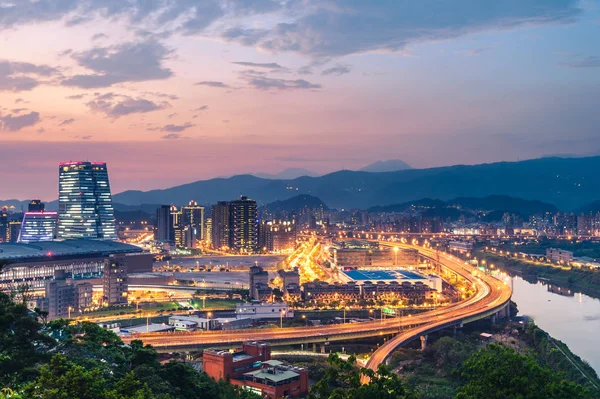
pixel 571 317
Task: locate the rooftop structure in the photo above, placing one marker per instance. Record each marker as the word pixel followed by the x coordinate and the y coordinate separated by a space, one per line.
pixel 398 276
pixel 252 368
pixel 21 252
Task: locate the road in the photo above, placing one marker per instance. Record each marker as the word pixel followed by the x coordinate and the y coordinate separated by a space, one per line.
pixel 491 295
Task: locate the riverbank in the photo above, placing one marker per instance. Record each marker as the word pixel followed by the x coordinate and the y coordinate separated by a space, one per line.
pixel 582 280
pixel 436 372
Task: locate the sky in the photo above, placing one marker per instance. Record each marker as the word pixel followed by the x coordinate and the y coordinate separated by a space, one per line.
pixel 174 91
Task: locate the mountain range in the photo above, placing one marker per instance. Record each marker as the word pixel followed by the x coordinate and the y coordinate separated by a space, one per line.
pixel 570 184
pixel 391 165
pixel 497 203
pixel 567 183
pixel 296 203
pixel 289 173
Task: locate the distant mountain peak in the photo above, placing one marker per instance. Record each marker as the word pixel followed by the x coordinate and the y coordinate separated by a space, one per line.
pixel 390 165
pixel 287 174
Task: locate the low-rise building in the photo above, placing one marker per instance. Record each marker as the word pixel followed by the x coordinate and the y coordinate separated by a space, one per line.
pixel 461 246
pixel 251 367
pixel 261 311
pixel 193 323
pixel 559 255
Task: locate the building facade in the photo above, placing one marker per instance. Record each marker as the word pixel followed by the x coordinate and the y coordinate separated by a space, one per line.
pixel 277 235
pixel 36 205
pixel 85 207
pixel 38 226
pixel 251 367
pixel 243 230
pixel 115 280
pixel 164 226
pixel 257 276
pixel 192 215
pixel 220 225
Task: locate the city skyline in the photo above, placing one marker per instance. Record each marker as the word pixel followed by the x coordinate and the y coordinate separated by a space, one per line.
pixel 217 88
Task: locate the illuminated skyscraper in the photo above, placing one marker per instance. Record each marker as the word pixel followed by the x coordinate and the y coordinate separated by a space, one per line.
pixel 192 215
pixel 38 226
pixel 243 225
pixel 85 207
pixel 4 224
pixel 220 225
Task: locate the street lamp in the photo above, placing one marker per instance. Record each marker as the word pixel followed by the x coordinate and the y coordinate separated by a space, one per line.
pixel 69 309
pixel 147 321
pixel 304 318
pixel 208 316
pixel 281 318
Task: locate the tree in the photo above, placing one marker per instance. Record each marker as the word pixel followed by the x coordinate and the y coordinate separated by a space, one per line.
pixel 342 380
pixel 22 345
pixel 500 372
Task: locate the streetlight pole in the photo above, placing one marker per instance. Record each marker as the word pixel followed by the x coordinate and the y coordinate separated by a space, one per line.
pixel 208 316
pixel 281 318
pixel 147 321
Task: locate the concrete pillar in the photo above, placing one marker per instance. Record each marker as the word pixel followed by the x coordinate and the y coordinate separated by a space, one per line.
pixel 323 349
pixel 454 332
pixel 314 347
pixel 423 342
pixel 494 318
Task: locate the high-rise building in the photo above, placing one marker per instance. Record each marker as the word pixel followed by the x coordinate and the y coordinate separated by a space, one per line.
pixel 277 235
pixel 258 277
pixel 177 226
pixel 85 207
pixel 115 280
pixel 192 215
pixel 208 230
pixel 220 225
pixel 67 298
pixel 38 226
pixel 36 205
pixel 14 229
pixel 4 224
pixel 243 231
pixel 164 227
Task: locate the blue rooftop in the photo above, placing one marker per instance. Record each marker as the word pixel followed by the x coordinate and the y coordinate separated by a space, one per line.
pixel 382 275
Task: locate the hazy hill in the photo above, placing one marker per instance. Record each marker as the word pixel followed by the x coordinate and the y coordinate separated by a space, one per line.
pixel 296 203
pixel 423 203
pixel 501 203
pixel 391 165
pixel 566 183
pixel 289 173
pixel 593 207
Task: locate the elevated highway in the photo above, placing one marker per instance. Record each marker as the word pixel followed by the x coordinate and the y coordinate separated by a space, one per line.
pixel 491 297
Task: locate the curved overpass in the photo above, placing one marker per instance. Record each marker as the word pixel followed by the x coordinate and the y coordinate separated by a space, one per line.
pixel 494 296
pixel 491 296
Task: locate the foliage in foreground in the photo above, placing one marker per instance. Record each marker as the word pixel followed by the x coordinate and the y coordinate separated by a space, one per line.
pixel 500 372
pixel 61 361
pixel 342 380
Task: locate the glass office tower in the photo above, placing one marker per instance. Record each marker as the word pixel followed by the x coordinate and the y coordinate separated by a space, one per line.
pixel 38 226
pixel 85 207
